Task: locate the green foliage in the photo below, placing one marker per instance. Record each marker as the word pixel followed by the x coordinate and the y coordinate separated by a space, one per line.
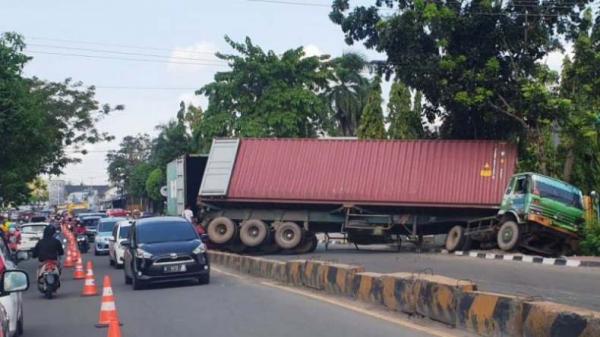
pixel 172 142
pixel 476 65
pixel 590 245
pixel 347 93
pixel 371 122
pixel 266 95
pixel 137 181
pixel 156 180
pixel 133 151
pixel 43 123
pixel 405 121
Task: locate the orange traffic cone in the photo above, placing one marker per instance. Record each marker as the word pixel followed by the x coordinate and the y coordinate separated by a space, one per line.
pixel 114 330
pixel 69 263
pixel 89 287
pixel 79 273
pixel 108 309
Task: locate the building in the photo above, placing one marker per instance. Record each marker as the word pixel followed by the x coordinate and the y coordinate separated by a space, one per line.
pixel 56 192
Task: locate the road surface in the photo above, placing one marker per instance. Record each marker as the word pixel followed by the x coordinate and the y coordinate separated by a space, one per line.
pixel 574 286
pixel 227 307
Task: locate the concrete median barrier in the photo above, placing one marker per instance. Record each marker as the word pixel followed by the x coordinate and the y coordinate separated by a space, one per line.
pixel 397 292
pixel 489 314
pixel 454 302
pixel 437 296
pixel 552 319
pixel 368 287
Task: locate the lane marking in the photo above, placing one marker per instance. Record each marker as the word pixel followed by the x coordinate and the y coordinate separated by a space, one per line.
pixel 347 306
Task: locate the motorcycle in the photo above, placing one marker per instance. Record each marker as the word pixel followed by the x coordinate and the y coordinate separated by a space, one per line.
pixel 83 243
pixel 49 278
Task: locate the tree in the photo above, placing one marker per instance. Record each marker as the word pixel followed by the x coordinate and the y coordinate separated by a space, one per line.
pixel 156 180
pixel 133 150
pixel 137 181
pixel 580 84
pixel 405 121
pixel 38 190
pixel 347 93
pixel 371 123
pixel 266 94
pixel 477 62
pixel 43 123
pixel 172 142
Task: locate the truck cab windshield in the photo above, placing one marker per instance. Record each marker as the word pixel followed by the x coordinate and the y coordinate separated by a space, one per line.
pixel 557 191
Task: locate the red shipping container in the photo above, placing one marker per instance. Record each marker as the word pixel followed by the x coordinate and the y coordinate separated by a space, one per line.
pixel 438 173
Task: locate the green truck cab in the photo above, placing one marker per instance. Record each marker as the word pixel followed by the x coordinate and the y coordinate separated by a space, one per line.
pixel 540 214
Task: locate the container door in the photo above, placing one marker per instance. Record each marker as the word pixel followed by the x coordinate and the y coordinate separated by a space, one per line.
pixel 172 188
pixel 219 167
pixel 180 184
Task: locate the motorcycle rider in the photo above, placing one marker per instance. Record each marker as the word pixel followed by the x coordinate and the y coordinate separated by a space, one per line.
pixel 48 249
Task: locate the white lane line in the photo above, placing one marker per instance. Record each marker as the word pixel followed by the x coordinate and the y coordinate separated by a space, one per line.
pixel 394 320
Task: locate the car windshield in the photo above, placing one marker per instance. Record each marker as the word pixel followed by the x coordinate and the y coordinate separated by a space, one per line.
pixel 124 232
pixel 558 191
pixel 90 222
pixel 33 229
pixel 106 226
pixel 165 232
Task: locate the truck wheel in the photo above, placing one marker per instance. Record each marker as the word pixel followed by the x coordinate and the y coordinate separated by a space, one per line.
pixel 308 244
pixel 221 230
pixel 508 235
pixel 455 239
pixel 253 232
pixel 288 235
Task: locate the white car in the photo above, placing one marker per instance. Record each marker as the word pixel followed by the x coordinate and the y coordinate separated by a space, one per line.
pixel 115 250
pixel 12 302
pixel 31 233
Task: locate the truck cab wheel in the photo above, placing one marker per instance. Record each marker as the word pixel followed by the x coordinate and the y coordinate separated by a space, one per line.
pixel 455 239
pixel 253 232
pixel 221 230
pixel 288 235
pixel 508 235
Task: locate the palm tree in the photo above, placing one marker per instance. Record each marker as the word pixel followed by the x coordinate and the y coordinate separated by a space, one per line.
pixel 347 95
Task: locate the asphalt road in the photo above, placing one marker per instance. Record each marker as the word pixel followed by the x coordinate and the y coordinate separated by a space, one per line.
pixel 574 286
pixel 228 306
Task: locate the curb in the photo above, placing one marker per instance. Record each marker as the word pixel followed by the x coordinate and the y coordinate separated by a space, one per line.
pixel 527 259
pixel 456 303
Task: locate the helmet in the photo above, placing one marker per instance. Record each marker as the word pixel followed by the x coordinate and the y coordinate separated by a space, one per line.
pixel 12 230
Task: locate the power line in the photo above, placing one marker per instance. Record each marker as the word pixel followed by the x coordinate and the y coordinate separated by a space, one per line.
pixel 127 46
pixel 123 53
pixel 124 58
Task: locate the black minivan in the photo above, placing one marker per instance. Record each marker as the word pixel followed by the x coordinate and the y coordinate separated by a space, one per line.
pixel 161 249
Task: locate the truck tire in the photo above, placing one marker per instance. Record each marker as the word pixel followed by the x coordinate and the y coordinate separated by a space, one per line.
pixel 288 235
pixel 253 232
pixel 309 243
pixel 221 230
pixel 508 235
pixel 455 239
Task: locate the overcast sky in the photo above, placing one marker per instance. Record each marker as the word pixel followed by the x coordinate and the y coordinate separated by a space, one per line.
pixel 170 44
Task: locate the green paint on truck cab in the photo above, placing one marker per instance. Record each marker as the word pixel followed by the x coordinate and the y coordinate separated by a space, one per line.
pixel 551 203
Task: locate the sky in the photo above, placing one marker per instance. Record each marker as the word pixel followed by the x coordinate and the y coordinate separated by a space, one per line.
pixel 170 46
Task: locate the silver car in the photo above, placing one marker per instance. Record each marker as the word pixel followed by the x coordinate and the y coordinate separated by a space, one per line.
pixel 104 233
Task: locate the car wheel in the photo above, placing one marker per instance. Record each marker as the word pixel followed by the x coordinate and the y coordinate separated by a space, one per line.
pixel 20 325
pixel 137 283
pixel 204 279
pixel 127 278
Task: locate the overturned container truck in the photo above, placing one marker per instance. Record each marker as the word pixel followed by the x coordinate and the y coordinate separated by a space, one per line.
pixel 278 193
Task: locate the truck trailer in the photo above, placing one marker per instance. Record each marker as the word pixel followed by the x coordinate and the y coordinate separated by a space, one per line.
pixel 269 194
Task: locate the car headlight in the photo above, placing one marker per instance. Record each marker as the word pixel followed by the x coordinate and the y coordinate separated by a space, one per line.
pixel 200 249
pixel 142 254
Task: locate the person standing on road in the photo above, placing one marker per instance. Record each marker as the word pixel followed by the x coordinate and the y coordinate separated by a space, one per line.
pixel 188 214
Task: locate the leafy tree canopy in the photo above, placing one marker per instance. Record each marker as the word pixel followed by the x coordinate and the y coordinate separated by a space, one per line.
pixel 43 123
pixel 266 94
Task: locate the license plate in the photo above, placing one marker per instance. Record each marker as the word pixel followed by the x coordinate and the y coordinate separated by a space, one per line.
pixel 176 268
